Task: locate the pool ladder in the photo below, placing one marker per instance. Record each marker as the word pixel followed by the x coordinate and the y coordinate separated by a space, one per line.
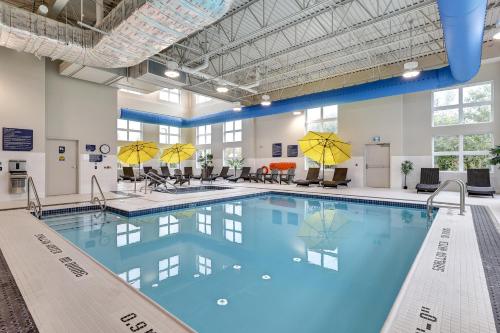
pixel 460 205
pixel 34 206
pixel 94 199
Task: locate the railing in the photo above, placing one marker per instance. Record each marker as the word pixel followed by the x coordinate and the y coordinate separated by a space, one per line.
pixel 156 181
pixel 461 205
pixel 101 201
pixel 33 206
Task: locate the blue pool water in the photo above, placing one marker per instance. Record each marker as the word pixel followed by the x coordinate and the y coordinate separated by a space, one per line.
pixel 273 263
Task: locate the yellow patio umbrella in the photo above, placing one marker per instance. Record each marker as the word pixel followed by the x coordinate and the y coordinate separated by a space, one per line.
pixel 178 153
pixel 325 148
pixel 138 152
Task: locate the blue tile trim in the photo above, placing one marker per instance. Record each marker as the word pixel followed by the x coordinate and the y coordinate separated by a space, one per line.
pixel 239 197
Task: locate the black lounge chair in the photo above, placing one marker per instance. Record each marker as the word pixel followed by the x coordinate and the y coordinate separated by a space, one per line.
pixel 128 174
pixel 429 180
pixel 288 177
pixel 311 178
pixel 188 173
pixel 339 178
pixel 146 169
pixel 272 177
pixel 223 173
pixel 180 178
pixel 165 173
pixel 207 174
pixel 245 175
pixel 209 170
pixel 257 176
pixel 478 182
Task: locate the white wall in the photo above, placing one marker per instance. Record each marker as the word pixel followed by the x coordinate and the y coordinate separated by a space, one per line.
pixel 22 99
pixel 85 112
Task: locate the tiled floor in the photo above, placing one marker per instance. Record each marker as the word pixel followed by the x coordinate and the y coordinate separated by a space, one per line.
pixel 457 298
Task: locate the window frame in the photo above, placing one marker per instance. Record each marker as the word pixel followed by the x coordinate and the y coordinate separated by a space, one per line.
pixel 224 158
pixel 460 152
pixel 233 131
pixel 168 134
pixel 167 95
pixel 206 135
pixel 461 105
pixel 128 130
pixel 307 162
pixel 199 151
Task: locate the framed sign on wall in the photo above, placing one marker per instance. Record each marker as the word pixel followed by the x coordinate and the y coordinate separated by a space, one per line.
pixel 17 139
pixel 277 150
pixel 292 151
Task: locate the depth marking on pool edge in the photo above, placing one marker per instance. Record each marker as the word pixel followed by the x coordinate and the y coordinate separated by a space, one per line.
pixel 440 258
pixel 425 313
pixel 68 262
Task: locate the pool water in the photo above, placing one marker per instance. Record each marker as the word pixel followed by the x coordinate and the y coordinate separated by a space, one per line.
pixel 272 263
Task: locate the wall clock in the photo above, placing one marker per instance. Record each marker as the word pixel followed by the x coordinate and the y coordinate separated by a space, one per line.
pixel 105 149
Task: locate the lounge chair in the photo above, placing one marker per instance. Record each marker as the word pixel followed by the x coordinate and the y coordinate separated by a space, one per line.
pixel 180 178
pixel 257 176
pixel 128 174
pixel 339 178
pixel 207 174
pixel 223 173
pixel 311 178
pixel 245 175
pixel 478 182
pixel 188 173
pixel 429 180
pixel 165 173
pixel 146 169
pixel 209 170
pixel 288 177
pixel 272 177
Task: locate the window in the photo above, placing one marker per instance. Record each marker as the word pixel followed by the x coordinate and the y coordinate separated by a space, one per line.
pixel 170 95
pixel 132 277
pixel 233 231
pixel 199 99
pixel 126 234
pixel 232 131
pixel 462 152
pixel 324 258
pixel 170 134
pixel 201 152
pixel 204 265
pixel 462 105
pixel 128 130
pixel 205 221
pixel 324 119
pixel 232 153
pixel 168 267
pixel 204 135
pixel 168 225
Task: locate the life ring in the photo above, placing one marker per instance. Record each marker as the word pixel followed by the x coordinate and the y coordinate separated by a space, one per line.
pixel 265 170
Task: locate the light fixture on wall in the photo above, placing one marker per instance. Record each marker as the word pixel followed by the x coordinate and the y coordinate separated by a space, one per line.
pixel 266 100
pixel 496 36
pixel 411 67
pixel 222 89
pixel 43 9
pixel 172 70
pixel 237 107
pixel 297 113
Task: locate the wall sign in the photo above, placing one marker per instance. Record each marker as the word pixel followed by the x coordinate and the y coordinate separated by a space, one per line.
pixel 292 151
pixel 90 148
pixel 62 149
pixel 277 150
pixel 17 139
pixel 95 158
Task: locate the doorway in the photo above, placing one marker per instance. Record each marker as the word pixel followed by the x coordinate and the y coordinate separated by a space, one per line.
pixel 378 165
pixel 61 167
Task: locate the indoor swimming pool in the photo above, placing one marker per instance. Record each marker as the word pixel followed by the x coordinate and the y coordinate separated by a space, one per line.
pixel 270 263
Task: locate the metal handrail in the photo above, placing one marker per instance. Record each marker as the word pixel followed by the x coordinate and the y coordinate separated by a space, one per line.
pixel 156 178
pixel 461 205
pixel 33 205
pixel 93 199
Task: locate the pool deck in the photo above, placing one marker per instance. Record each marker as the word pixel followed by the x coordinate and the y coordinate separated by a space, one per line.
pixel 450 295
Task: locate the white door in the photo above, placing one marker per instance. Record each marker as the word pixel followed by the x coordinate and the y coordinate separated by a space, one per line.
pixel 378 159
pixel 61 167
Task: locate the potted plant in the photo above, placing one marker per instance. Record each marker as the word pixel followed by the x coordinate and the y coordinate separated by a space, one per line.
pixel 235 163
pixel 205 161
pixel 406 168
pixel 495 152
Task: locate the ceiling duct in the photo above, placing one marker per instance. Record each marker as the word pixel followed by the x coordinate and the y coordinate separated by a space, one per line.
pixel 134 31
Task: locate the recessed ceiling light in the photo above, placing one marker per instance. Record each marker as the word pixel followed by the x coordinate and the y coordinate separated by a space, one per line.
pixel 411 69
pixel 222 89
pixel 297 113
pixel 266 100
pixel 43 9
pixel 237 108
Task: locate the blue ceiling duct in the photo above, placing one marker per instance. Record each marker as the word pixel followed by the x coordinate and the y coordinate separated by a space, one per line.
pixel 463 27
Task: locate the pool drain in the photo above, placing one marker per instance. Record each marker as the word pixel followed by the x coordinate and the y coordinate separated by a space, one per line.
pixel 266 277
pixel 222 301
